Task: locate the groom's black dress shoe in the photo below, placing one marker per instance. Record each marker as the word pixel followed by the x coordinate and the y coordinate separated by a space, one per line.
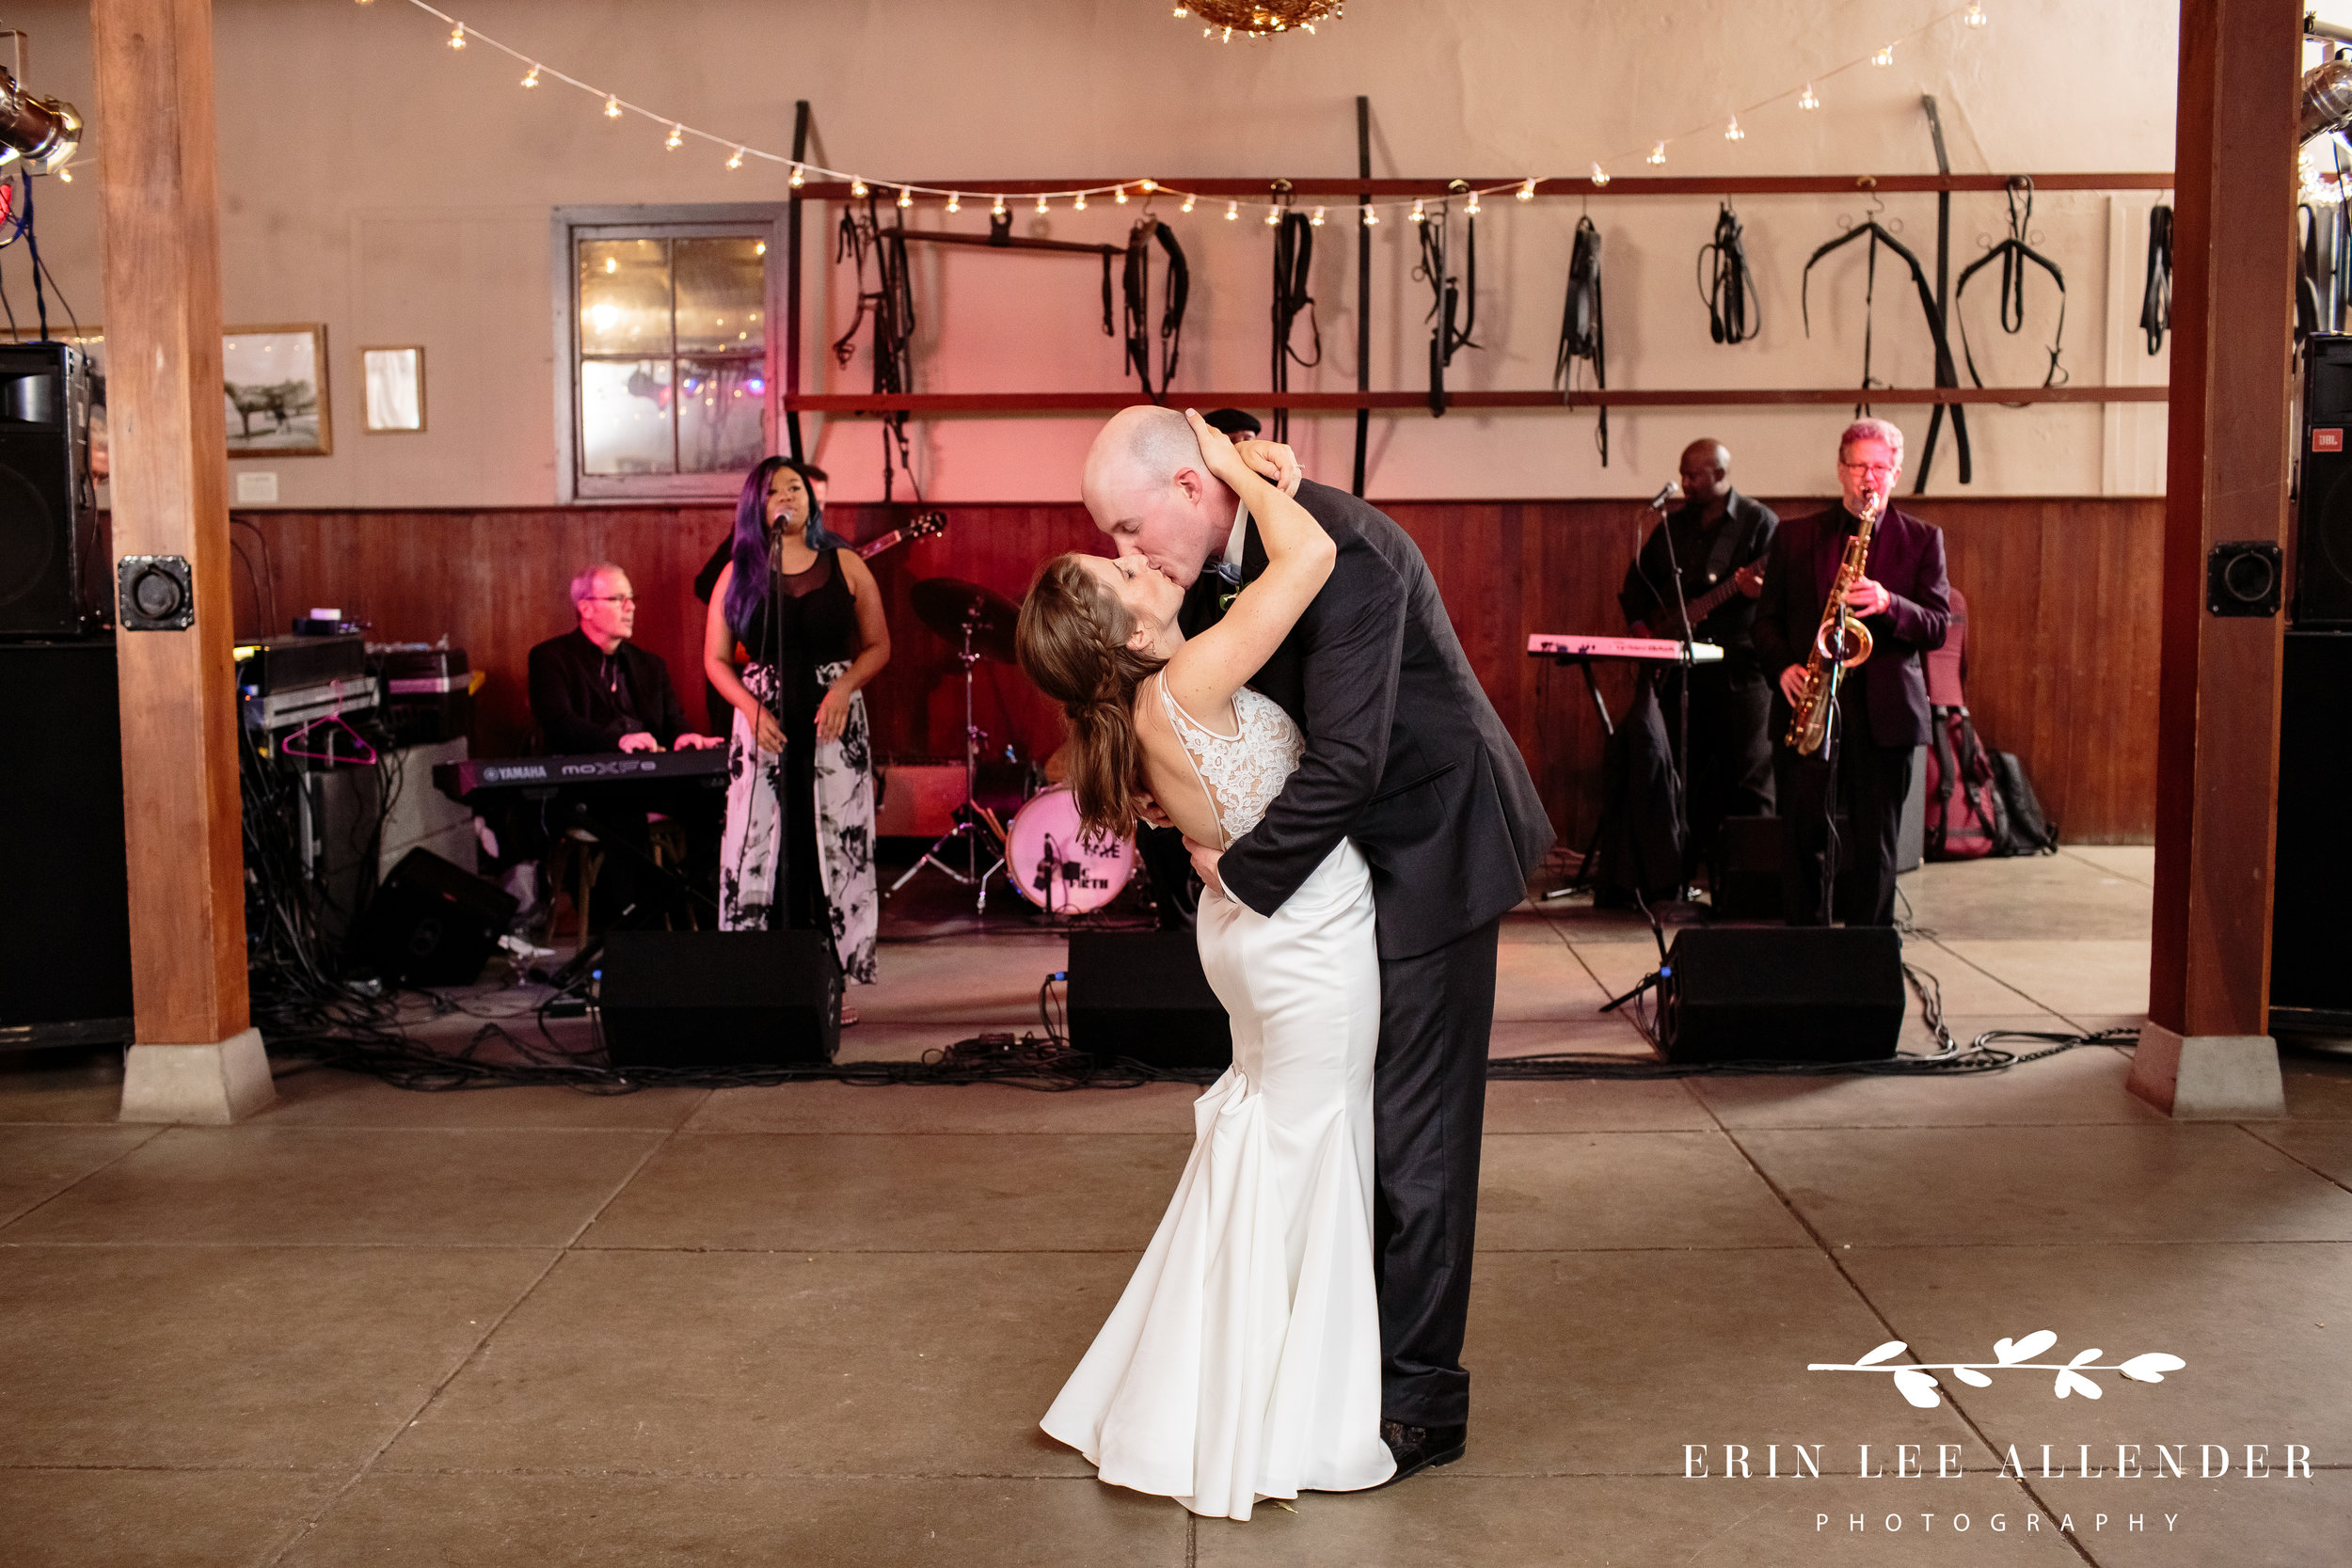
pixel 1417 1448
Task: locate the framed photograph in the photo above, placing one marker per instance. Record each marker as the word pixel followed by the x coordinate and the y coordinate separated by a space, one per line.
pixel 275 391
pixel 396 387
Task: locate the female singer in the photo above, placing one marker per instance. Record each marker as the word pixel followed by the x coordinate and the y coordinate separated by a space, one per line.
pixel 798 851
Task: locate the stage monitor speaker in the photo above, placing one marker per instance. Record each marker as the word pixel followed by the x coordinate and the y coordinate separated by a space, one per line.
pixel 432 923
pixel 1798 993
pixel 2311 954
pixel 1141 995
pixel 65 926
pixel 48 520
pixel 2323 517
pixel 719 999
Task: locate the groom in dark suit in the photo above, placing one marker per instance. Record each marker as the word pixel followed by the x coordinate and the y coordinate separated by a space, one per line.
pixel 1406 757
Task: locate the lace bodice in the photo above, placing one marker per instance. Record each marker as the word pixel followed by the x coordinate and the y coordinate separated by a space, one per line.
pixel 1243 772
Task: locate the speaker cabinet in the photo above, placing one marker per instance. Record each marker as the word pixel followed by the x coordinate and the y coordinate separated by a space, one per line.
pixel 1795 993
pixel 2323 518
pixel 1141 995
pixel 719 999
pixel 432 923
pixel 48 524
pixel 2311 940
pixel 65 926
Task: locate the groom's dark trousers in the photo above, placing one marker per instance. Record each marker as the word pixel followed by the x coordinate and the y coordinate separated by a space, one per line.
pixel 1406 757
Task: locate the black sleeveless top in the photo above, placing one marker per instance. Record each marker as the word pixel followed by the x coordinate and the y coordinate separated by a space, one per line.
pixel 809 618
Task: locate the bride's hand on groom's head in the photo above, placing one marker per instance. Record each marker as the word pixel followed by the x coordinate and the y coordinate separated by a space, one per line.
pixel 1276 461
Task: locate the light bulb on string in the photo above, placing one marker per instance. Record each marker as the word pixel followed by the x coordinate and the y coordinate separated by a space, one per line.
pixel 1809 99
pixel 1147 186
pixel 1232 211
pixel 1419 215
pixel 1372 218
pixel 1732 131
pixel 530 79
pixel 1273 216
pixel 798 177
pixel 735 160
pixel 1228 38
pixel 1121 195
pixel 997 211
pixel 1656 153
pixel 1318 219
pixel 1081 203
pixel 458 37
pixel 1527 191
pixel 955 201
pixel 906 197
pixel 676 137
pixel 1040 204
pixel 1884 57
pixel 1600 175
pixel 1472 209
pixel 1974 16
pixel 65 175
pixel 1189 202
pixel 857 187
pixel 612 105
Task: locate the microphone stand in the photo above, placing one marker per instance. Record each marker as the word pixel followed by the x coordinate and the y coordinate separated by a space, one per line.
pixel 1682 689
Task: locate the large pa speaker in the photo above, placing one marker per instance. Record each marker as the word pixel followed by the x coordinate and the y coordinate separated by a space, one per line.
pixel 2323 518
pixel 719 999
pixel 1141 995
pixel 2311 939
pixel 48 522
pixel 65 924
pixel 432 923
pixel 1802 993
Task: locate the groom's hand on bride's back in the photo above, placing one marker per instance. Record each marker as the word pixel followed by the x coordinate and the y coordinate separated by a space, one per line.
pixel 1276 461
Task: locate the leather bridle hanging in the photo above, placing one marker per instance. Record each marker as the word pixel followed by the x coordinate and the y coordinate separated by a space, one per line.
pixel 1293 258
pixel 2155 295
pixel 891 303
pixel 1581 334
pixel 1455 323
pixel 1946 374
pixel 1726 283
pixel 2014 253
pixel 1136 288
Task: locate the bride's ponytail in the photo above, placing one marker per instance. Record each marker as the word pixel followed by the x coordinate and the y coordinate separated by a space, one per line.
pixel 1073 643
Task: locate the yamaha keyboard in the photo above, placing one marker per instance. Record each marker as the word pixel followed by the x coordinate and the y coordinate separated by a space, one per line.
pixel 467 781
pixel 1639 650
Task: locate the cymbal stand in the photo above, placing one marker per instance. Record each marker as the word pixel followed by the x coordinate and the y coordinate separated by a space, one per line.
pixel 969 824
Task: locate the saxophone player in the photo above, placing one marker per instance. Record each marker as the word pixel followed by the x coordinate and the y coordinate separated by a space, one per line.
pixel 1882 711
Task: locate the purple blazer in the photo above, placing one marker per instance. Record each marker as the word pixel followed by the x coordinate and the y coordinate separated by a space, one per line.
pixel 1907 560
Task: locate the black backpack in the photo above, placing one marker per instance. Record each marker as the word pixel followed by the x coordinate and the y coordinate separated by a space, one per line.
pixel 2025 829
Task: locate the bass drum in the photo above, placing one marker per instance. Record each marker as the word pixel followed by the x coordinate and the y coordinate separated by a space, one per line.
pixel 1055 867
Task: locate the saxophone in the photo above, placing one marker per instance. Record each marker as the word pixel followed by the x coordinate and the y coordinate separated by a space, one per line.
pixel 1841 640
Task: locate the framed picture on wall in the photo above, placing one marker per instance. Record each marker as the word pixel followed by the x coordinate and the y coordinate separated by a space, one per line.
pixel 396 387
pixel 275 391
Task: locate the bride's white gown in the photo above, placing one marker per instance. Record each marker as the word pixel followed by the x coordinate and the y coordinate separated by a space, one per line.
pixel 1243 1360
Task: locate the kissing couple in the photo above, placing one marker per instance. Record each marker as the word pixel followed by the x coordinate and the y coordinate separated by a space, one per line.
pixel 1275 673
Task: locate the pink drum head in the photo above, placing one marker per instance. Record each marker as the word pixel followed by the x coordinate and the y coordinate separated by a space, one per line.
pixel 1055 868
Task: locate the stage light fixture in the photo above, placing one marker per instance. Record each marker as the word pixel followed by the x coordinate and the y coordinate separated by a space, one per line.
pixel 42 131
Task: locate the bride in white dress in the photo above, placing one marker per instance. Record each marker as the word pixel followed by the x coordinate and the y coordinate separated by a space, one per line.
pixel 1243 1360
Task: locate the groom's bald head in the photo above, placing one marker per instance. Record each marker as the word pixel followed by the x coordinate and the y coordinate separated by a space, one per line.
pixel 1150 494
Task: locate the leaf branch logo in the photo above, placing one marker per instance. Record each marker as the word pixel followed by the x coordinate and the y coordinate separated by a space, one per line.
pixel 1915 1385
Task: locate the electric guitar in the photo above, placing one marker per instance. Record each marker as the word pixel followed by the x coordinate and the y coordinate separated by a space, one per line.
pixel 1668 621
pixel 923 527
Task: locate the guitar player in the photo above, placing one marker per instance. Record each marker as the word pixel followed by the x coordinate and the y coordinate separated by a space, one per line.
pixel 1720 538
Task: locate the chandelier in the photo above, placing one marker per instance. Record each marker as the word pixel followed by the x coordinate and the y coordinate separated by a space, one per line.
pixel 1260 18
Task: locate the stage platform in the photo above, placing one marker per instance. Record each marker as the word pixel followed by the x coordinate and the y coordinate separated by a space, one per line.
pixel 817 1324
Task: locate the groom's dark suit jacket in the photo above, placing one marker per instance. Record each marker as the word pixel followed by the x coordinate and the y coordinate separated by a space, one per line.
pixel 1405 754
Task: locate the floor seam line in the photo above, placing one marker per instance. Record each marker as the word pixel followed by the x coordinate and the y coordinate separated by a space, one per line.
pixel 157 1132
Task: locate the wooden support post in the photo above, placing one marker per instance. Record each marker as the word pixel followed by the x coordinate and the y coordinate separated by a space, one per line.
pixel 791 377
pixel 1363 287
pixel 197 1058
pixel 2206 1050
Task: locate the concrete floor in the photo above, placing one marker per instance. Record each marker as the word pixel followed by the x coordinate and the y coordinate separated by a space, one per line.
pixel 817 1324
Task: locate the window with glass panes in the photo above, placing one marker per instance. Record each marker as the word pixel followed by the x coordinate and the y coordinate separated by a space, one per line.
pixel 670 357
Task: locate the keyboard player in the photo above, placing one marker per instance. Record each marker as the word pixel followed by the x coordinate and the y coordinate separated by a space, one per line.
pixel 1721 539
pixel 593 690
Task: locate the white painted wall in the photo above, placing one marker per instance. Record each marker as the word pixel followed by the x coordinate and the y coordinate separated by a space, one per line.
pixel 376 180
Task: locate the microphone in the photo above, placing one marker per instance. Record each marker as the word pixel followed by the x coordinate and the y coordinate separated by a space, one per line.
pixel 1666 492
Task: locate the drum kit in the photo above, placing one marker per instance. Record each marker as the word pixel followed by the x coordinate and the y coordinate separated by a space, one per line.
pixel 1042 853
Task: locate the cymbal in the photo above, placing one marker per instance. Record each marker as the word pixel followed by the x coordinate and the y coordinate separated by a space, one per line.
pixel 946 604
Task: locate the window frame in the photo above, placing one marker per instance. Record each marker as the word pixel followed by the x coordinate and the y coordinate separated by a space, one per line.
pixel 765 220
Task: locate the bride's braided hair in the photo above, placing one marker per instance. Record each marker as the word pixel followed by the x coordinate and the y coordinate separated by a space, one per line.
pixel 1073 643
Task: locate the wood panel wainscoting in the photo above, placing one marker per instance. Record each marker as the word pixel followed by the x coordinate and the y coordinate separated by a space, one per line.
pixel 2062 652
